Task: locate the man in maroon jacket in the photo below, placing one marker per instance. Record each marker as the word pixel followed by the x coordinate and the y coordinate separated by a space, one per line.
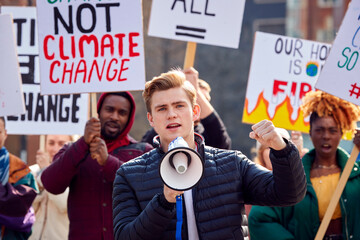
pixel 88 166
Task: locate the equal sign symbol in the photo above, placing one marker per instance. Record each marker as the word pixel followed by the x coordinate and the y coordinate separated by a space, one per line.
pixel 190 32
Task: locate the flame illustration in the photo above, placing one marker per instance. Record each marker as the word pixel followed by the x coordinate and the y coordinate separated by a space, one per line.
pixel 282 116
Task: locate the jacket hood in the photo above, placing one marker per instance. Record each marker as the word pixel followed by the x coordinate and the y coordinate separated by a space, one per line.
pixel 123 139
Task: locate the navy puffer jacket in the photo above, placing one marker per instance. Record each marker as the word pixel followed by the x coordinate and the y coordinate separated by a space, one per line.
pixel 230 179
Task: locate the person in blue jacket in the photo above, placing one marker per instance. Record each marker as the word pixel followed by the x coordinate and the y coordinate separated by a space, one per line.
pixel 144 207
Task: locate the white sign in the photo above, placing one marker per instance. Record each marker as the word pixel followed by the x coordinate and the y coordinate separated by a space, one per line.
pixel 90 46
pixel 213 22
pixel 11 96
pixel 340 76
pixel 283 70
pixel 53 114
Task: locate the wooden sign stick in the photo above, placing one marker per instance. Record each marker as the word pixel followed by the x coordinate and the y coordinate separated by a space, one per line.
pixel 93 105
pixel 190 55
pixel 336 196
pixel 42 143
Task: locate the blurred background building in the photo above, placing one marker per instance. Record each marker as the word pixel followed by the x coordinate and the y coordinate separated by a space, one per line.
pixel 225 69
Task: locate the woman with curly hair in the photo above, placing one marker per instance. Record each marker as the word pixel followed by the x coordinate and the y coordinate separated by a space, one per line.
pixel 330 119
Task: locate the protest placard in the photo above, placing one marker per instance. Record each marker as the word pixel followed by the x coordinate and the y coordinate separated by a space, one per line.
pixel 52 114
pixel 210 22
pixel 283 69
pixel 90 46
pixel 340 76
pixel 11 96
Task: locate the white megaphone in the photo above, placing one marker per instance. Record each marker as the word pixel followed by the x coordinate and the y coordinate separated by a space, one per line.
pixel 181 168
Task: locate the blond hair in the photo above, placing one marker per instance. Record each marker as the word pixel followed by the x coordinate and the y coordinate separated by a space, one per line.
pixel 172 79
pixel 321 104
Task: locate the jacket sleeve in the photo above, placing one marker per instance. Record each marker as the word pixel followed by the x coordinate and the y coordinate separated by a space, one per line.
pixel 60 200
pixel 16 199
pixel 110 168
pixel 129 221
pixel 284 186
pixel 215 133
pixel 265 223
pixel 22 224
pixel 57 177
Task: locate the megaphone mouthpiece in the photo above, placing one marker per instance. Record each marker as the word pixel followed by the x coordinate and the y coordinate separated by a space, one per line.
pixel 181 167
pixel 180 161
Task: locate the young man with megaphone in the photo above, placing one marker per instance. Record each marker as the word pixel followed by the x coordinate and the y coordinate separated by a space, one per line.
pixel 144 201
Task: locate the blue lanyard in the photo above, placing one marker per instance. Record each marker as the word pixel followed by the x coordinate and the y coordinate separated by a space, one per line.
pixel 179 219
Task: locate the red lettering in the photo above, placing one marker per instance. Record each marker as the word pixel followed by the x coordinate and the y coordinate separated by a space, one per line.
pixel 94 64
pixel 293 88
pixel 88 40
pixel 81 70
pixel 73 49
pixel 114 70
pixel 108 45
pixel 52 66
pixel 120 36
pixel 132 45
pixel 70 71
pixel 61 49
pixel 123 69
pixel 277 89
pixel 304 88
pixel 46 53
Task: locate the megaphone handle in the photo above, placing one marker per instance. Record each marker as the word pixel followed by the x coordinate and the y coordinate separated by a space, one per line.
pixel 179 216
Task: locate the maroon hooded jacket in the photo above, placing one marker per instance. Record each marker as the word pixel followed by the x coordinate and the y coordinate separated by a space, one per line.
pixel 90 196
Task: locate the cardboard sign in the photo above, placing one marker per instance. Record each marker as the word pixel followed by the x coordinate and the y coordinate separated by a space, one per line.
pixel 340 76
pixel 53 114
pixel 90 46
pixel 11 96
pixel 283 70
pixel 210 22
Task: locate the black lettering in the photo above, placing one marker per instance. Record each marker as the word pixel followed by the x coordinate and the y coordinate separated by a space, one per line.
pixel 192 6
pixel 297 67
pixel 314 52
pixel 297 48
pixel 323 52
pixel 172 7
pixel 75 108
pixel 61 117
pixel 32 32
pixel 277 46
pixel 19 22
pixel 29 107
pixel 12 118
pixel 107 13
pixel 28 76
pixel 52 106
pixel 206 8
pixel 288 51
pixel 79 21
pixel 40 108
pixel 57 16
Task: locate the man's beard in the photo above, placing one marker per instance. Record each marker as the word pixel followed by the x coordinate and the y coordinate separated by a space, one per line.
pixel 109 136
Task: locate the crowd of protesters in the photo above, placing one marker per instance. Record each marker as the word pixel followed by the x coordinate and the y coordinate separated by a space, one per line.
pixel 107 185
